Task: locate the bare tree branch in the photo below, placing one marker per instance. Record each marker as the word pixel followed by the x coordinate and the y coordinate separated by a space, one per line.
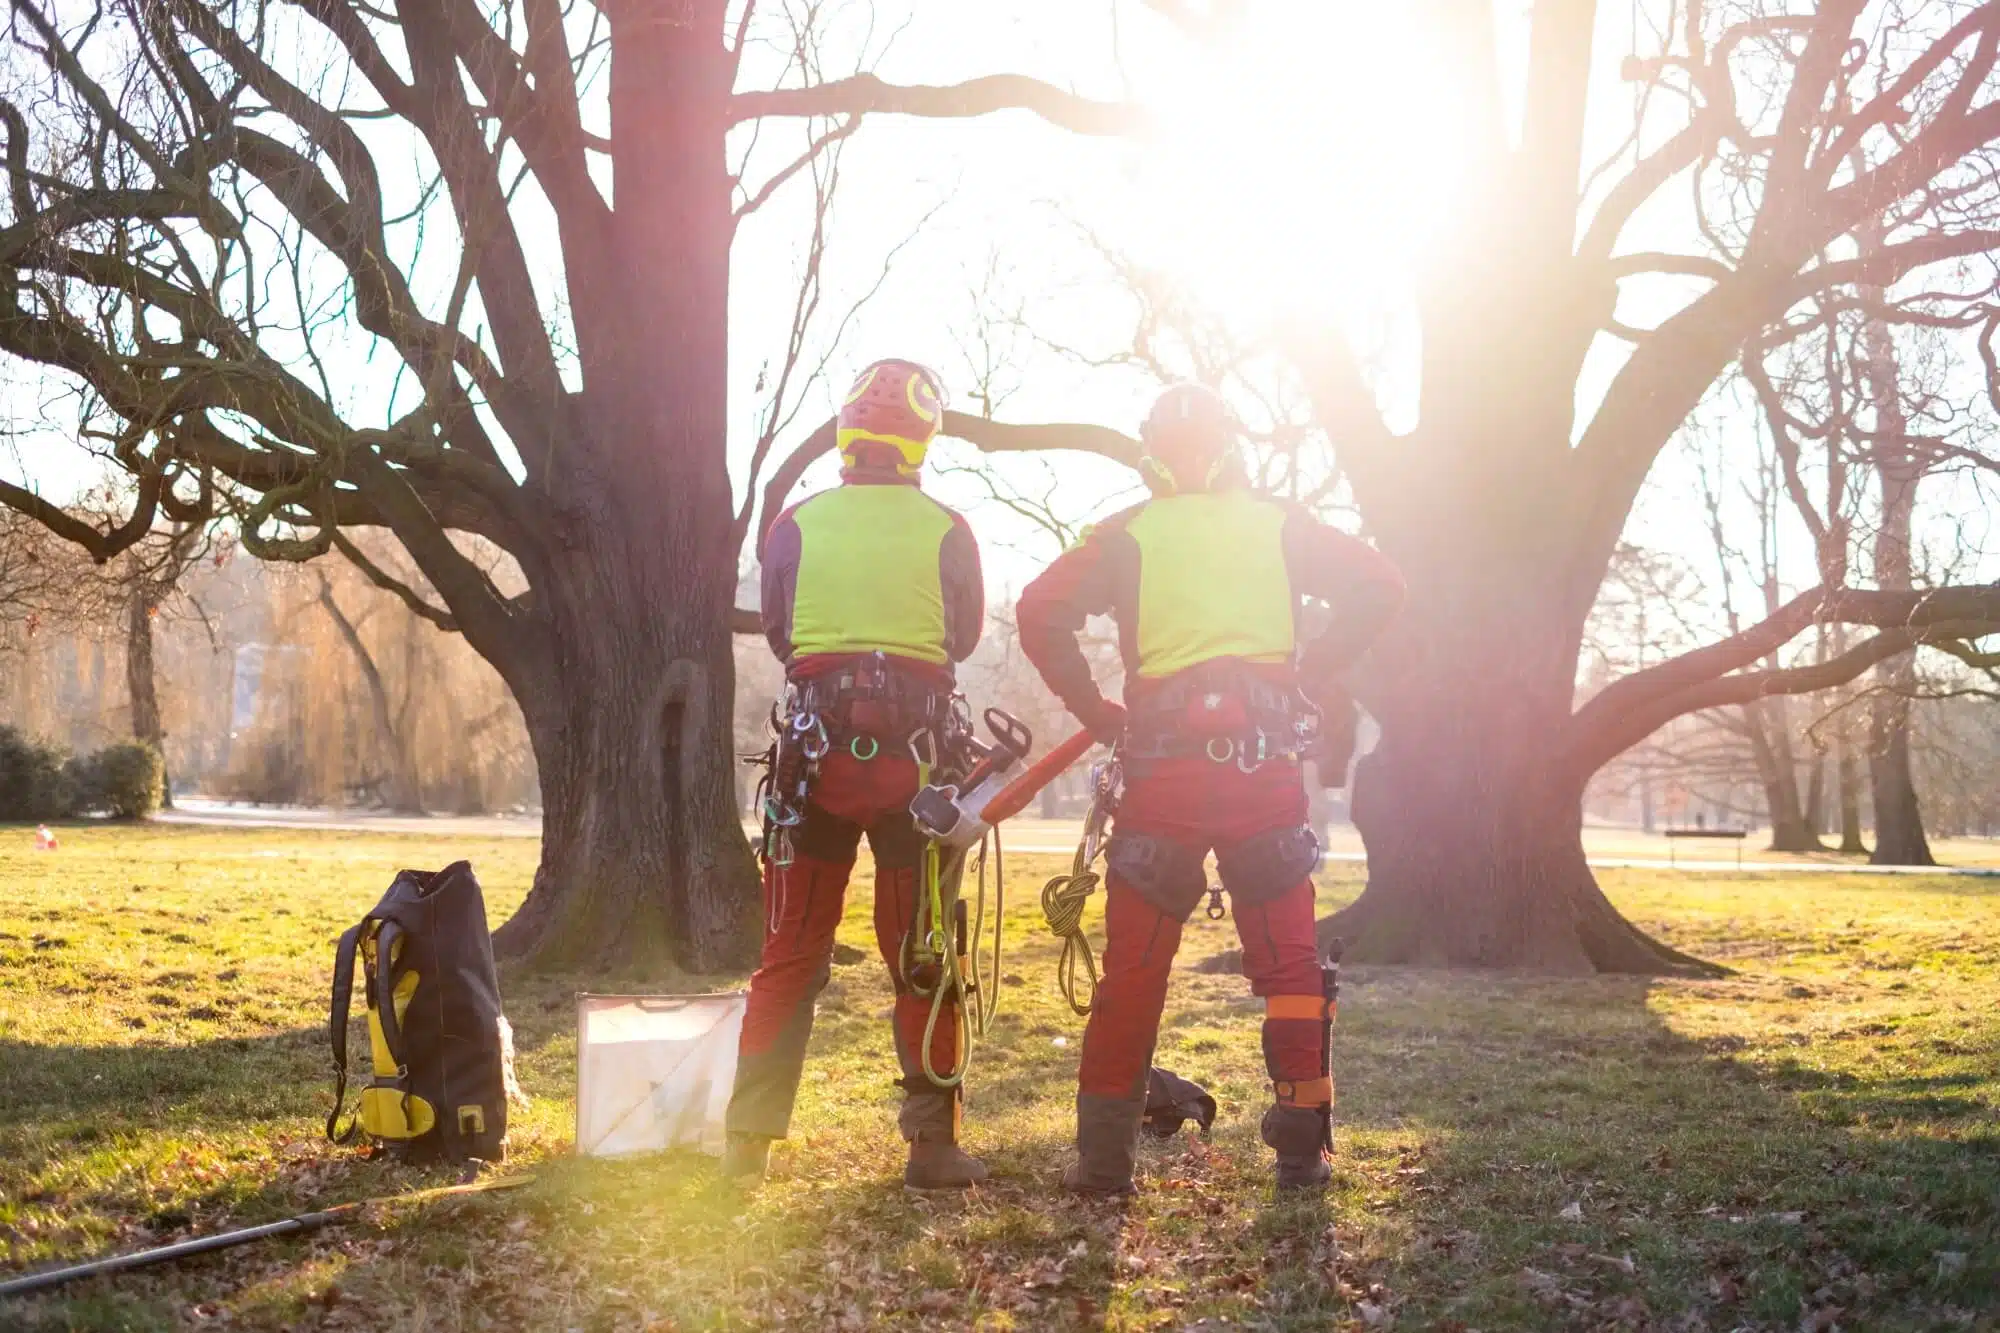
pixel 863 94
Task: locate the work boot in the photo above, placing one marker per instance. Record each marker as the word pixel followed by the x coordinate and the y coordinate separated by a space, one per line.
pixel 929 1120
pixel 1107 1135
pixel 1298 1134
pixel 940 1164
pixel 745 1158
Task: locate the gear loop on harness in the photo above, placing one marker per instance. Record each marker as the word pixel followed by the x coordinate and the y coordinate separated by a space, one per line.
pixel 854 748
pixel 1228 749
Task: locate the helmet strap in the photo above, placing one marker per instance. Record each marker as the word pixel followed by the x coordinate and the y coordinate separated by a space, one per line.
pixel 1159 478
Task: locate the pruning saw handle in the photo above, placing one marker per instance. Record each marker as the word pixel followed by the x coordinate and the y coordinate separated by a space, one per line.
pixel 1014 797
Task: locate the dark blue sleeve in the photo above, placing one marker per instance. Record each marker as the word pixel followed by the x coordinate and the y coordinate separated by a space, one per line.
pixel 780 582
pixel 964 588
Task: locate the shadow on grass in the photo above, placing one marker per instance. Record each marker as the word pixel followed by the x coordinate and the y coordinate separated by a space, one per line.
pixel 1514 1152
pixel 1551 1153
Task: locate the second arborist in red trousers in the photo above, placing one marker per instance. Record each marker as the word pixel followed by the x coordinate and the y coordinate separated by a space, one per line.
pixel 871 592
pixel 1206 581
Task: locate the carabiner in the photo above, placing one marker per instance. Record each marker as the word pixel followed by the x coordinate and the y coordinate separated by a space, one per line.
pixel 815 745
pixel 1242 751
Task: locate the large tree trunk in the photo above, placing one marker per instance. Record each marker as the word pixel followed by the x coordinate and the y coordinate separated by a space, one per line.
pixel 141 684
pixel 1768 729
pixel 643 854
pixel 629 705
pixel 1815 811
pixel 1473 829
pixel 1850 799
pixel 1899 823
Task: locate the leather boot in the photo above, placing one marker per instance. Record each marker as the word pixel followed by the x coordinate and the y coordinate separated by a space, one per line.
pixel 940 1164
pixel 1107 1135
pixel 745 1158
pixel 1298 1135
pixel 930 1121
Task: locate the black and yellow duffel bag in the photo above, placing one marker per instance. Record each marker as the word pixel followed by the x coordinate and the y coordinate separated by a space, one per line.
pixel 435 1029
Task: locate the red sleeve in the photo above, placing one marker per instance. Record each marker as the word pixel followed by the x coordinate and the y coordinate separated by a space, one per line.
pixel 1052 612
pixel 1362 586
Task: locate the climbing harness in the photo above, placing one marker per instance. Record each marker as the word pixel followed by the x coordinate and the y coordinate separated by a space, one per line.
pixel 852 710
pixel 1064 896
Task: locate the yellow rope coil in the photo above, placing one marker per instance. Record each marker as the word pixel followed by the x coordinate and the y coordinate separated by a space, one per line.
pixel 1063 900
pixel 976 1017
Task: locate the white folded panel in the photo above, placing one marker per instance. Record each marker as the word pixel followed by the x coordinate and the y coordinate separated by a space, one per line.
pixel 654 1071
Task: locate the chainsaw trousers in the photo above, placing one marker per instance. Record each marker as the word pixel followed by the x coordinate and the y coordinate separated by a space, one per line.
pixel 1174 812
pixel 803 903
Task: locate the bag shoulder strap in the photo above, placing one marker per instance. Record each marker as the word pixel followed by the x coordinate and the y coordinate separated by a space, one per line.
pixel 343 998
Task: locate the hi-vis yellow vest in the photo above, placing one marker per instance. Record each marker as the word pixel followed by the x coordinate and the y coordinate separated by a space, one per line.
pixel 1212 581
pixel 869 578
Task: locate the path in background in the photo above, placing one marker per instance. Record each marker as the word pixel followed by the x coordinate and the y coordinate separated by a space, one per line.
pixel 1609 848
pixel 202 810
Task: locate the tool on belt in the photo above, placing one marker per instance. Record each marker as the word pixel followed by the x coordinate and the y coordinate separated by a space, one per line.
pixel 940 950
pixel 956 816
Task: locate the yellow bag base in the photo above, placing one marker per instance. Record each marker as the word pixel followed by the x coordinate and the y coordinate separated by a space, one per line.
pixel 382 1114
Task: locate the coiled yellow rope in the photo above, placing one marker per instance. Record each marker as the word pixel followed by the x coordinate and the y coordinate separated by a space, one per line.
pixel 977 998
pixel 1063 901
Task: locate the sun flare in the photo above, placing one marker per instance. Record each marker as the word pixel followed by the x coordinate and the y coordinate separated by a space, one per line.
pixel 1305 165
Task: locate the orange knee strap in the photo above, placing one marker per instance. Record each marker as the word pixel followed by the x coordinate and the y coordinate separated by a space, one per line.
pixel 1314 1008
pixel 1311 1093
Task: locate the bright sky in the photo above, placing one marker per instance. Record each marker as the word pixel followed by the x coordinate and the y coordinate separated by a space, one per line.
pixel 1326 216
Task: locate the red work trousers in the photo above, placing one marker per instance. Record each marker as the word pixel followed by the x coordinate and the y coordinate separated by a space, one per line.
pixel 803 902
pixel 1184 808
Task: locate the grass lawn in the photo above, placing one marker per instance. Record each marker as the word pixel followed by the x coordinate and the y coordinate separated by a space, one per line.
pixel 1810 1143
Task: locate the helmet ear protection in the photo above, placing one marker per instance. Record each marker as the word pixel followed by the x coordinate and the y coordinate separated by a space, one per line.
pixel 890 417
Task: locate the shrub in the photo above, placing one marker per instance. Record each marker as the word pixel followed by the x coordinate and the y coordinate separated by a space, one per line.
pixel 36 779
pixel 123 781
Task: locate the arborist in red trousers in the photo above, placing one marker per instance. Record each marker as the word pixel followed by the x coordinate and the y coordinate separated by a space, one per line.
pixel 871 591
pixel 1205 582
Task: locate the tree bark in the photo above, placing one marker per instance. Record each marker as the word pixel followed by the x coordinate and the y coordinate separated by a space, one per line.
pixel 141 682
pixel 1899 822
pixel 1768 730
pixel 629 697
pixel 643 854
pixel 1473 824
pixel 1815 808
pixel 1850 799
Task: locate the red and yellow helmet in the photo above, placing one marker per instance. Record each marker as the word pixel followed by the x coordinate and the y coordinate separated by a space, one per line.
pixel 1190 440
pixel 890 417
